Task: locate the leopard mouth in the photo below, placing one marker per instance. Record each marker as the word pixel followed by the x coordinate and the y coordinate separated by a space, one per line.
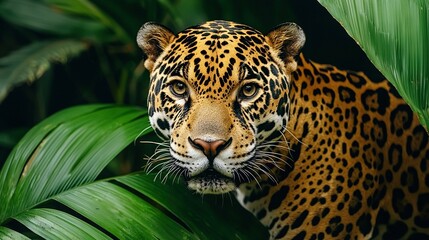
pixel 211 181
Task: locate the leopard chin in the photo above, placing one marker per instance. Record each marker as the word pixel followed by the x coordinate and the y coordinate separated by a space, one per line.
pixel 211 182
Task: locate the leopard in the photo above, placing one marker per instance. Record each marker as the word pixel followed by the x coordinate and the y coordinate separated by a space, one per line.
pixel 312 151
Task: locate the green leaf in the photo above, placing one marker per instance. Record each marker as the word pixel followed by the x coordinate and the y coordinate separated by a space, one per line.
pixel 32 61
pixel 198 215
pixel 9 234
pixel 54 224
pixel 122 213
pixel 41 17
pixel 395 36
pixel 87 9
pixel 64 151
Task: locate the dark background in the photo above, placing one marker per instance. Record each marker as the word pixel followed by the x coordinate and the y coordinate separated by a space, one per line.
pixel 109 71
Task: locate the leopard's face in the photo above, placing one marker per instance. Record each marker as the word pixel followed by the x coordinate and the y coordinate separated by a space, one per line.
pixel 219 94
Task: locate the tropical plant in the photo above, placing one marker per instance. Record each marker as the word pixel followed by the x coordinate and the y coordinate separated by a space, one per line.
pixel 47 186
pixel 395 36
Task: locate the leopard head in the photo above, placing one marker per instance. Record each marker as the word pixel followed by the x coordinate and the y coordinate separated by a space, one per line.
pixel 219 95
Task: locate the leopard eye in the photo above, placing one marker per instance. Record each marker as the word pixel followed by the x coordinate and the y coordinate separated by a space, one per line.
pixel 179 89
pixel 249 91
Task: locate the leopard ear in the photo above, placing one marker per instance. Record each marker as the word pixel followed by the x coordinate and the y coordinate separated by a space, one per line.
pixel 286 40
pixel 153 38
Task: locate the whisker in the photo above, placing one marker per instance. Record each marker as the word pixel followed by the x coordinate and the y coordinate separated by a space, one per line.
pixel 263 168
pixel 141 133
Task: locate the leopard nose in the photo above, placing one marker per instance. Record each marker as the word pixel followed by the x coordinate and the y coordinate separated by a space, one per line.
pixel 210 148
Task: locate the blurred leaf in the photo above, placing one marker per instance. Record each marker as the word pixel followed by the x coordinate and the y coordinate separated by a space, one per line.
pixel 47 185
pixel 40 17
pixel 87 9
pixel 10 137
pixel 32 61
pixel 395 36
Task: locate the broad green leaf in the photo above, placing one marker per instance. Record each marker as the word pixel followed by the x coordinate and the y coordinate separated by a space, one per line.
pixel 54 224
pixel 231 221
pixel 9 234
pixel 122 213
pixel 32 61
pixel 395 36
pixel 41 17
pixel 64 151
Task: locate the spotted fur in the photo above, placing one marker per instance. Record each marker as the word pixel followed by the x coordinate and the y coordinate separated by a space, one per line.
pixel 312 151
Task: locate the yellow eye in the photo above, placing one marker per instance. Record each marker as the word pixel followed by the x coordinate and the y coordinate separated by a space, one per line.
pixel 249 90
pixel 179 88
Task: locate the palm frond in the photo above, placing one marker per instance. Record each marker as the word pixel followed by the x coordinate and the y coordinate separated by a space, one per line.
pixel 32 61
pixel 395 37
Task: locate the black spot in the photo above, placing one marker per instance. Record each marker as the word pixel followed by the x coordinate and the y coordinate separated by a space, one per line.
pixel 400 204
pixel 163 124
pixel 355 79
pixel 266 126
pixel 379 194
pixel 335 226
pixel 395 156
pixel 354 174
pixel 281 107
pixel 346 94
pixel 238 114
pixel 383 217
pixel 274 70
pixel 417 142
pixel 368 182
pixel 425 161
pixel 379 132
pixel 410 179
pixel 284 216
pixel 261 214
pixel 331 96
pixel 364 223
pixel 273 223
pixel 354 149
pixel 300 219
pixel 274 89
pixel 300 236
pixel 396 230
pixel 422 219
pixel 255 195
pixel 338 77
pixel 351 128
pixel 278 197
pixel 282 232
pixel 401 119
pixel 355 203
pixel 376 101
pixel 315 220
pixel 325 212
